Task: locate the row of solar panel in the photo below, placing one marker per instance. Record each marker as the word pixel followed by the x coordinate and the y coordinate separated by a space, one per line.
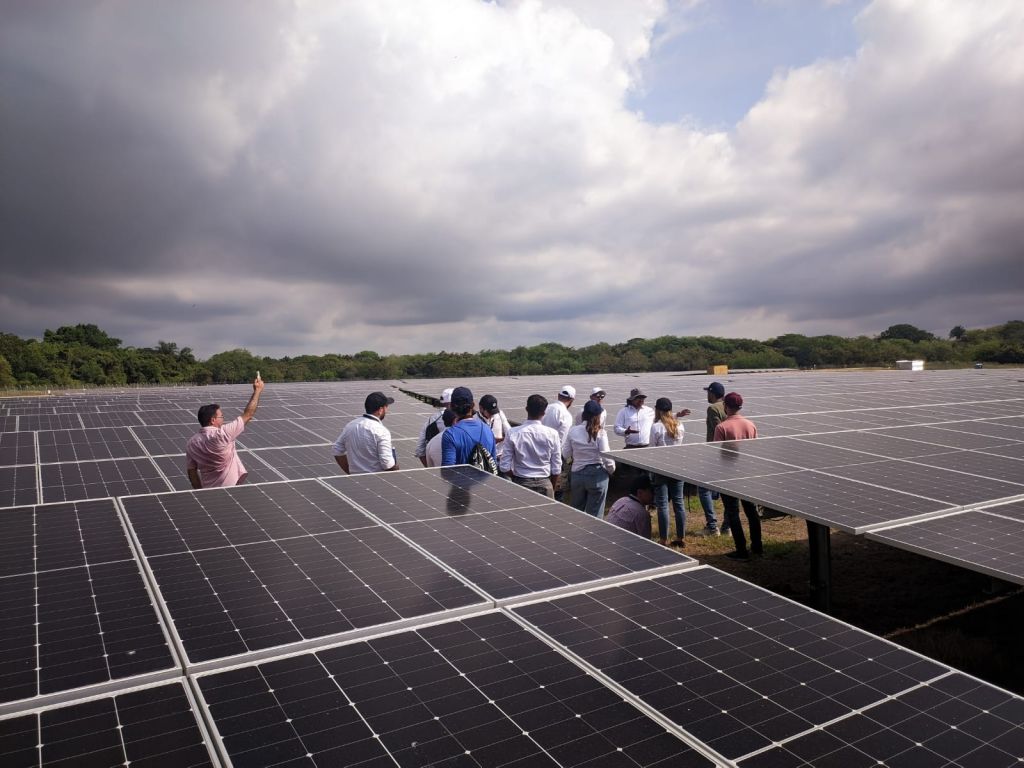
pixel 670 670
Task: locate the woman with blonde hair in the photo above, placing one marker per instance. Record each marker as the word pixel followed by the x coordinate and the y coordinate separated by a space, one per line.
pixel 668 431
pixel 591 471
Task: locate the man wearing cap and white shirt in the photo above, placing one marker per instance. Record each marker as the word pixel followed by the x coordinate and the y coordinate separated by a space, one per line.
pixel 434 425
pixel 634 422
pixel 434 446
pixel 533 454
pixel 494 417
pixel 557 417
pixel 364 445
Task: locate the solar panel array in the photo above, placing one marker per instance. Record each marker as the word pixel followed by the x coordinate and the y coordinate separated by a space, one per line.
pixel 447 616
pixel 106 444
pixel 958 448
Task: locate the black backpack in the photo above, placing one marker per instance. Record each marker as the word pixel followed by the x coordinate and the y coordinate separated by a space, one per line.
pixel 433 430
pixel 481 458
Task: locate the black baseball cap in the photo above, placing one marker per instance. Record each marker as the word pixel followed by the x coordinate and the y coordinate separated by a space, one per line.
pixel 715 389
pixel 376 400
pixel 489 403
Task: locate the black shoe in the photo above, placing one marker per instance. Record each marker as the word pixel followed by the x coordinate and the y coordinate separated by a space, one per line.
pixel 737 555
pixel 757 552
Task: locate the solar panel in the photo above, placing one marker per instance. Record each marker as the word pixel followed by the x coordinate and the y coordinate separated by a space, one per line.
pixel 116 419
pixel 17 448
pixel 1013 451
pixel 877 444
pixel 327 428
pixel 930 482
pixel 174 468
pixel 478 692
pixel 504 539
pixel 276 434
pixel 256 567
pixel 702 464
pixel 981 464
pixel 145 727
pixel 76 609
pixel 396 497
pixel 18 486
pixel 49 421
pixel 797 453
pixel 87 445
pixel 836 502
pixel 100 479
pixel 980 540
pixel 166 439
pixel 167 416
pixel 947 437
pixel 301 463
pixel 735 666
pixel 990 428
pixel 952 721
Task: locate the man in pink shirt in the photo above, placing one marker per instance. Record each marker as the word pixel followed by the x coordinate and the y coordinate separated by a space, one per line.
pixel 212 459
pixel 736 427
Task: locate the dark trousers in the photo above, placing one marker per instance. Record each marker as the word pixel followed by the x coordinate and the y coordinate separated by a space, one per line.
pixel 732 517
pixel 541 485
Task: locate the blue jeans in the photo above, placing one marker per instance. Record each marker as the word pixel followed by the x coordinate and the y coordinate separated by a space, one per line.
pixel 666 489
pixel 707 502
pixel 589 489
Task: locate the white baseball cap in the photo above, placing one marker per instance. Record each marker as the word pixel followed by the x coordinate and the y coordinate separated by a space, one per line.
pixel 446 396
pixel 568 391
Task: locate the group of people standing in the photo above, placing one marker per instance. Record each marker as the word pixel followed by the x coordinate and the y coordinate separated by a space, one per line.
pixel 546 452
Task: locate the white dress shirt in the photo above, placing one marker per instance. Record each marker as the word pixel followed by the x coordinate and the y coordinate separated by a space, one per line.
pixel 532 450
pixel 660 435
pixel 582 451
pixel 557 417
pixel 641 419
pixel 367 444
pixel 500 427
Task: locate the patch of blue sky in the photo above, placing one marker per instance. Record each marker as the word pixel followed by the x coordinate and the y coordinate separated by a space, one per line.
pixel 710 62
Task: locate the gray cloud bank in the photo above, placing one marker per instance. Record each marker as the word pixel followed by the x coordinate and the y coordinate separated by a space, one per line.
pixel 302 178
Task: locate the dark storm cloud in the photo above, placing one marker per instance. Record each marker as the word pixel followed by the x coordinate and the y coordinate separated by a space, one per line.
pixel 302 179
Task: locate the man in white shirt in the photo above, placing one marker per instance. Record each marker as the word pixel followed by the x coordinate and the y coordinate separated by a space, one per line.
pixel 434 425
pixel 557 417
pixel 434 446
pixel 533 454
pixel 493 417
pixel 634 422
pixel 364 445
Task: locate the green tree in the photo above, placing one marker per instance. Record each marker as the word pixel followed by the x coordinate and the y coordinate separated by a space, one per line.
pixel 905 331
pixel 87 335
pixel 7 379
pixel 957 332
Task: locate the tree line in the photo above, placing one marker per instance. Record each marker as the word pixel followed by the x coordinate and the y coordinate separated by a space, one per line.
pixel 86 355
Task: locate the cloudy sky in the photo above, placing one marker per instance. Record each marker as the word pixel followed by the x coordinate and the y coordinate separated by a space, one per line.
pixel 306 177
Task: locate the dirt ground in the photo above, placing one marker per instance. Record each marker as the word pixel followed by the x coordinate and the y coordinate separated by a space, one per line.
pixel 958 617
